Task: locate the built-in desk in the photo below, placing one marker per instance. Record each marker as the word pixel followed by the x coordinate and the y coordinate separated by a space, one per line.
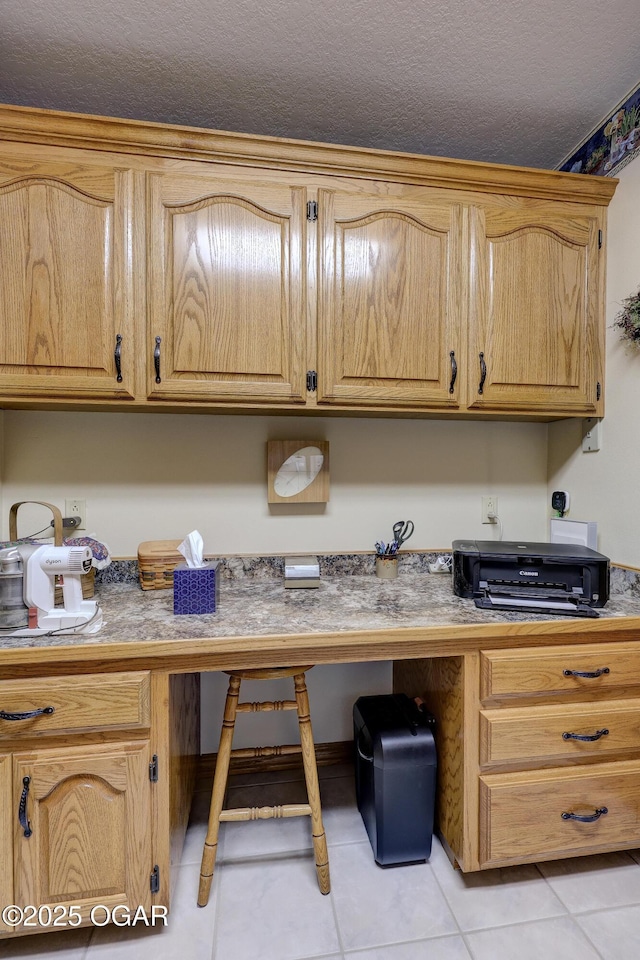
pixel 111 770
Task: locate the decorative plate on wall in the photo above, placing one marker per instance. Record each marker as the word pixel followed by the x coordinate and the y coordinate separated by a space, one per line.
pixel 298 471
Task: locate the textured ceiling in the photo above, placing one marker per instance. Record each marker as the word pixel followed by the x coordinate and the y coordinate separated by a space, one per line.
pixel 510 81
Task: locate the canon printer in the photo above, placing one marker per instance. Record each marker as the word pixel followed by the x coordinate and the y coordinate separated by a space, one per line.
pixel 552 578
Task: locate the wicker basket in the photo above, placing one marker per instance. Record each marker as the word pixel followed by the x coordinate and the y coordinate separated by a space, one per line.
pixel 157 559
pixel 87 580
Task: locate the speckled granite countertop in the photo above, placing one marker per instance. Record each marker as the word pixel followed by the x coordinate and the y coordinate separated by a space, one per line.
pixel 263 607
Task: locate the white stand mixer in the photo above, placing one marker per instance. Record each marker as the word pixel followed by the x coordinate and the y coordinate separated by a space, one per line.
pixel 27 591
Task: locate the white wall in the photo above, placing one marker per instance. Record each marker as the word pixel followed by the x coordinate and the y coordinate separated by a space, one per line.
pixel 156 476
pixel 603 484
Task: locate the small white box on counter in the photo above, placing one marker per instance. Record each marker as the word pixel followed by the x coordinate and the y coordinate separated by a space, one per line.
pixel 301 572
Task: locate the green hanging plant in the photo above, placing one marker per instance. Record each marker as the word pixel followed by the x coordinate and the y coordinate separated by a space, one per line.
pixel 628 320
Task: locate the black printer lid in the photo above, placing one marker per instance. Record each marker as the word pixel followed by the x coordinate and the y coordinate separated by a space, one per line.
pixel 510 548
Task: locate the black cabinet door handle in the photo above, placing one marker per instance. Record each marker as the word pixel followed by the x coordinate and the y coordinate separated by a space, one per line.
pixel 454 370
pixel 22 808
pixel 483 373
pixel 586 737
pixel 587 674
pixel 116 357
pixel 27 715
pixel 156 359
pixel 600 812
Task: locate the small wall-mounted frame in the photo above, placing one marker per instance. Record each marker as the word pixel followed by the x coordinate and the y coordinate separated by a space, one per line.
pixel 298 471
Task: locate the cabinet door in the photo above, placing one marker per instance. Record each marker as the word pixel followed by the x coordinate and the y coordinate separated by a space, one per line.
pixel 88 810
pixel 535 330
pixel 65 278
pixel 6 838
pixel 227 313
pixel 391 293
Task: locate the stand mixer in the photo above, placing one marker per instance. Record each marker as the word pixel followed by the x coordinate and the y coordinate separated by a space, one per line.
pixel 27 591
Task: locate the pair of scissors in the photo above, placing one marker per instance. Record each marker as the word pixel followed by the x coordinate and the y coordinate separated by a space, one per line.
pixel 402 530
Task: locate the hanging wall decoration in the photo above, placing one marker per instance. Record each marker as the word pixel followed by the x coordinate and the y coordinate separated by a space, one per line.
pixel 628 320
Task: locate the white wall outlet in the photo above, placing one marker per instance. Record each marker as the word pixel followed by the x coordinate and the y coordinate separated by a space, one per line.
pixel 74 507
pixel 489 505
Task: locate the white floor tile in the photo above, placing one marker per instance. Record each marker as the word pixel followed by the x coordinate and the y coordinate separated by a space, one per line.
pixel 613 932
pixel 66 945
pixel 377 906
pixel 491 898
pixel 273 910
pixel 446 948
pixel 340 814
pixel 188 933
pixel 594 883
pixel 557 939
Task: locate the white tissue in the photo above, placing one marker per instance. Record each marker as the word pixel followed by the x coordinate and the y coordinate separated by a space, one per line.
pixel 192 549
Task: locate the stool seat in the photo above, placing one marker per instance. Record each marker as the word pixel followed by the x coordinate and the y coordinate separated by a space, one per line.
pixel 306 747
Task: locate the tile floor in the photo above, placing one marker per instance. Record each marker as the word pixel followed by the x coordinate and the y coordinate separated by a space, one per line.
pixel 265 904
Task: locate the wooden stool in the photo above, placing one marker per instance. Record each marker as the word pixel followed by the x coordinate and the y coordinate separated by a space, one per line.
pixel 306 747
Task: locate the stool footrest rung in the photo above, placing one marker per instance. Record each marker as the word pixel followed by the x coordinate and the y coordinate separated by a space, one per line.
pixel 286 750
pixel 262 706
pixel 266 813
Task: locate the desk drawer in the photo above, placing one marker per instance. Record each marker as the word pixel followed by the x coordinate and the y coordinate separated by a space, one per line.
pixel 109 701
pixel 590 669
pixel 511 734
pixel 522 813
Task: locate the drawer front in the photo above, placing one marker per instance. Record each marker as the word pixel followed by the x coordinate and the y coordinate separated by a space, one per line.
pixel 111 701
pixel 522 814
pixel 590 669
pixel 558 732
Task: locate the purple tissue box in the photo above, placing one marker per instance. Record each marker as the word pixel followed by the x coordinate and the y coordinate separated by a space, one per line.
pixel 195 589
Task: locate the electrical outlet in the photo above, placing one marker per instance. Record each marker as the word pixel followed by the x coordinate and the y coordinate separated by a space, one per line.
pixel 75 507
pixel 489 505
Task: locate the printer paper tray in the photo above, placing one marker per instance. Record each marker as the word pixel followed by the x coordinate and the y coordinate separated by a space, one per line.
pixel 539 605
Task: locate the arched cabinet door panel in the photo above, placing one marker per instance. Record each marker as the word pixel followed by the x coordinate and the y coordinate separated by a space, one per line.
pixel 392 290
pixel 535 301
pixel 66 278
pixel 82 827
pixel 226 289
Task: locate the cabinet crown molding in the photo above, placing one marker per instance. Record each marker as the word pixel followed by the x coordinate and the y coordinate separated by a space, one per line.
pixel 35 125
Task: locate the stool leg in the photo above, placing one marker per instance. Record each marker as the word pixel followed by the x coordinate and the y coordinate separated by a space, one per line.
pixel 218 792
pixel 311 777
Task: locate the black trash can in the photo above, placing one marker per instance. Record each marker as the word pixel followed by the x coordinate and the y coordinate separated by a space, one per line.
pixel 395 776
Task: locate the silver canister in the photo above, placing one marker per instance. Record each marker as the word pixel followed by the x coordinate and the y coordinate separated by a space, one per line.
pixel 13 610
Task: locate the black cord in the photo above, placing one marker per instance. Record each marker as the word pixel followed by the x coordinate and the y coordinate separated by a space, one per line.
pixel 32 535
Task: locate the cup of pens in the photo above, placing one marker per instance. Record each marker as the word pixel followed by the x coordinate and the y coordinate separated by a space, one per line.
pixel 386 567
pixel 387 553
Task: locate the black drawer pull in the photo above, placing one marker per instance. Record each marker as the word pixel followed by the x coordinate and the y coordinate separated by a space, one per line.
pixel 589 675
pixel 116 356
pixel 25 716
pixel 156 359
pixel 22 809
pixel 600 812
pixel 454 370
pixel 586 737
pixel 483 373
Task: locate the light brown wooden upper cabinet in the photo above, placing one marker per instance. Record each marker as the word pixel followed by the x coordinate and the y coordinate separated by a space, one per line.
pixel 65 277
pixel 226 289
pixel 535 331
pixel 392 289
pixel 267 274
